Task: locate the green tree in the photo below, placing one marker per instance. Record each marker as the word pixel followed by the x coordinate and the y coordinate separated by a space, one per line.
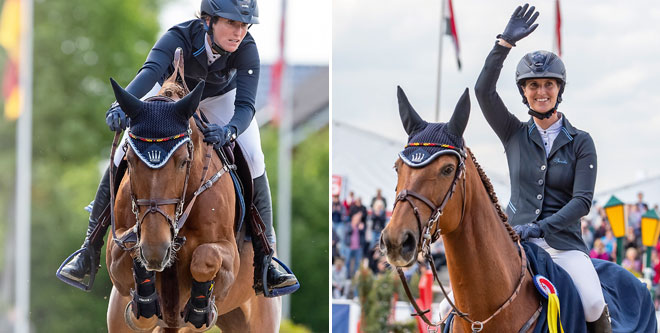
pixel 78 45
pixel 309 223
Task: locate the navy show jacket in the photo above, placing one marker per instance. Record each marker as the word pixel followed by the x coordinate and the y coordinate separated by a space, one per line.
pixel 238 70
pixel 555 191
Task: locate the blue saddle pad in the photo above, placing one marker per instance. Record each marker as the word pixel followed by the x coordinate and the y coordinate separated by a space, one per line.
pixel 630 304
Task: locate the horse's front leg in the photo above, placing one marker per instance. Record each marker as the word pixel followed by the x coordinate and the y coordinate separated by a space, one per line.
pixel 213 267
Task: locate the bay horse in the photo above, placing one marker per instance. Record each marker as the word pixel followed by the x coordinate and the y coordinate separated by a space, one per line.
pixel 443 192
pixel 481 248
pixel 204 249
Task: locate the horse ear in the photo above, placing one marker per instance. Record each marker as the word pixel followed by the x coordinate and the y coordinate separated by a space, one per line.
pixel 412 122
pixel 188 105
pixel 130 104
pixel 459 119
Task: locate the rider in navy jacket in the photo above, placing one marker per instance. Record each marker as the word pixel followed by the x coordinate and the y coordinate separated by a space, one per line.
pixel 238 70
pixel 552 165
pixel 234 67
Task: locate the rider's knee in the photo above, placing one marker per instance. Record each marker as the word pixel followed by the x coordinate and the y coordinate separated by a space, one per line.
pixel 593 309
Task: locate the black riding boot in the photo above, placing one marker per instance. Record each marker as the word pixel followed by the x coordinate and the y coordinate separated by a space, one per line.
pixel 275 278
pixel 81 265
pixel 602 324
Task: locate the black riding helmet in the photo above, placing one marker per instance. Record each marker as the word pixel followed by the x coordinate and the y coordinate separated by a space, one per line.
pixel 245 11
pixel 541 65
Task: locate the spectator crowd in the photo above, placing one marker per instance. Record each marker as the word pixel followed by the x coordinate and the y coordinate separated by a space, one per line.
pixel 356 232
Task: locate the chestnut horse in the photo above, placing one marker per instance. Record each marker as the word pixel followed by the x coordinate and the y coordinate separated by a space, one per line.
pixel 204 249
pixel 481 248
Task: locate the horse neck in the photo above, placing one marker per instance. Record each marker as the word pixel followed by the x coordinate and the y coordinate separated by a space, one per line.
pixel 483 261
pixel 199 158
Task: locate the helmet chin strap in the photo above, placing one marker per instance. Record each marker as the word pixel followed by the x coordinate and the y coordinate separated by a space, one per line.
pixel 217 48
pixel 540 115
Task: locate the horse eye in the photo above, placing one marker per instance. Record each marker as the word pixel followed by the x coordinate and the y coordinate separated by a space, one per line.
pixel 446 171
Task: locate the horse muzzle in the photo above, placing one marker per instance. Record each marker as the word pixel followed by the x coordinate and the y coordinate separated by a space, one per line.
pixel 399 248
pixel 156 258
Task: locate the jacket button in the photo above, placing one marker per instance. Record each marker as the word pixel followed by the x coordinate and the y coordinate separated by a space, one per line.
pixel 538 196
pixel 542 167
pixel 537 211
pixel 540 181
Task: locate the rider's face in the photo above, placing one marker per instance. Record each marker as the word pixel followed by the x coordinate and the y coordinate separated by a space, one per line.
pixel 229 33
pixel 541 94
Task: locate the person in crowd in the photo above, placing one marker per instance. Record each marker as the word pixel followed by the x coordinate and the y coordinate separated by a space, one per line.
pixel 355 240
pixel 599 251
pixel 631 262
pixel 552 164
pixel 587 234
pixel 340 282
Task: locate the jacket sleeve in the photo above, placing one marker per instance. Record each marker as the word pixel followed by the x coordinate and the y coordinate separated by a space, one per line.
pixel 498 117
pixel 158 61
pixel 583 189
pixel 247 65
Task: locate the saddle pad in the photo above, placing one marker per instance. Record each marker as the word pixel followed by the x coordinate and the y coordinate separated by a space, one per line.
pixel 630 304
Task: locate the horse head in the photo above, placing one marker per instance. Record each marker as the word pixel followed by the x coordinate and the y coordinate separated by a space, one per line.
pixel 429 169
pixel 159 156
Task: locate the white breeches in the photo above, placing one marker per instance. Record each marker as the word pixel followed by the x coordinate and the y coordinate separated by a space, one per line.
pixel 219 110
pixel 578 265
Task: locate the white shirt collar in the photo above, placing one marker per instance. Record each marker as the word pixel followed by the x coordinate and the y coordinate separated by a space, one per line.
pixel 549 135
pixel 210 56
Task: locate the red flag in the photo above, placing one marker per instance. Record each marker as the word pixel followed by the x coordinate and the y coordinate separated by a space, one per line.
pixel 558 28
pixel 276 71
pixel 451 30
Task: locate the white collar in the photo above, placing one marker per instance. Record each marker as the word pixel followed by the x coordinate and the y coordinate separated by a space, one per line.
pixel 210 56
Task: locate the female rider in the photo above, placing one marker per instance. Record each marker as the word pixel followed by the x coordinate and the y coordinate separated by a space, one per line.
pixel 218 49
pixel 552 165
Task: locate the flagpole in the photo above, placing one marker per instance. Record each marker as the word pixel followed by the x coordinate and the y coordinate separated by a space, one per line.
pixel 443 23
pixel 23 173
pixel 284 164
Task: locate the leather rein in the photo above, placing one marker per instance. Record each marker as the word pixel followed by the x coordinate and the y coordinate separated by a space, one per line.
pixel 424 245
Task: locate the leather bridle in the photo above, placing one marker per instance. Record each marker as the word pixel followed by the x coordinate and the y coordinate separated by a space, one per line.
pixel 424 246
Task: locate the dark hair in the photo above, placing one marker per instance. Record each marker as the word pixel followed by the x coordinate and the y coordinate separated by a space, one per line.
pixel 204 16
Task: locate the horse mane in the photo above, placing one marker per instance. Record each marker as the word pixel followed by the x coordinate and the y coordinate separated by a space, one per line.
pixel 493 197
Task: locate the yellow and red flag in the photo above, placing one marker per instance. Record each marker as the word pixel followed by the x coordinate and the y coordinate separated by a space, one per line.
pixel 10 38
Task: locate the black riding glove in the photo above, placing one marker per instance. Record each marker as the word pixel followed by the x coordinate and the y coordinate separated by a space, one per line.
pixel 529 230
pixel 116 118
pixel 520 24
pixel 219 135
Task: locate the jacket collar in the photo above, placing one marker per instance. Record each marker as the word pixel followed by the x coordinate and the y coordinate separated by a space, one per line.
pixel 198 48
pixel 565 136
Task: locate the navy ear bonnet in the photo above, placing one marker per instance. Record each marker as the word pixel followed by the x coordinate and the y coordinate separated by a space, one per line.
pixel 426 145
pixel 427 141
pixel 157 131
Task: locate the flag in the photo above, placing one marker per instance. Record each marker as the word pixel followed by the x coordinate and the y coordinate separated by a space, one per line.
pixel 10 37
pixel 276 73
pixel 557 28
pixel 451 30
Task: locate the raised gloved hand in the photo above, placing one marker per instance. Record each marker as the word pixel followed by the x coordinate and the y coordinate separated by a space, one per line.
pixel 219 135
pixel 529 230
pixel 116 118
pixel 520 24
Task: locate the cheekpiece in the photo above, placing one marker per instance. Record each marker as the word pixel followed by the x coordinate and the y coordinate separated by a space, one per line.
pixel 157 131
pixel 426 145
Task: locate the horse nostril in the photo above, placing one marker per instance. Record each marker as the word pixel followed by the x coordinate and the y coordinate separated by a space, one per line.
pixel 381 244
pixel 409 244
